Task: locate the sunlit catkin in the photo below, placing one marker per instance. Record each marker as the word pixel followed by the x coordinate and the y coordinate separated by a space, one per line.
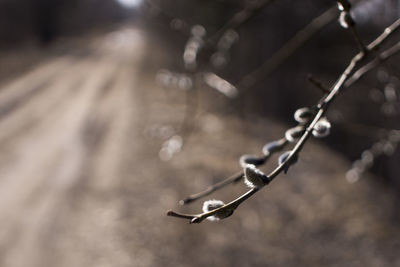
pixel 322 128
pixel 253 177
pixel 213 204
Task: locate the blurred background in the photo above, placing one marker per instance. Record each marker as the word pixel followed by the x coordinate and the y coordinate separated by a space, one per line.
pixel 111 111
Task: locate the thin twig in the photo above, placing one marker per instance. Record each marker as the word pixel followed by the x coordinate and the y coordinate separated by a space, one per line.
pixel 317 84
pixel 288 49
pixel 232 179
pixel 357 38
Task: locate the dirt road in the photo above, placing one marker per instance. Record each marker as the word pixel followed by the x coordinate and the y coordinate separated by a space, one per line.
pixel 82 184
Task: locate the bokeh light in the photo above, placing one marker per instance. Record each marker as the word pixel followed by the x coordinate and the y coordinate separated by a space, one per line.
pixel 129 3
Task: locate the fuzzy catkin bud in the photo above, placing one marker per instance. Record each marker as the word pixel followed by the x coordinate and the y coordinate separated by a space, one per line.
pixel 213 204
pixel 292 134
pixel 253 177
pixel 343 5
pixel 303 115
pixel 283 157
pixel 273 146
pixel 322 128
pixel 345 19
pixel 251 159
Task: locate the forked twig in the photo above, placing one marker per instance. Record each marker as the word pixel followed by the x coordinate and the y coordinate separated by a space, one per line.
pixel 373 64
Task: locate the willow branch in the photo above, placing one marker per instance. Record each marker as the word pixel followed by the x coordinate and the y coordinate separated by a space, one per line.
pixel 230 180
pixel 321 109
pixel 198 218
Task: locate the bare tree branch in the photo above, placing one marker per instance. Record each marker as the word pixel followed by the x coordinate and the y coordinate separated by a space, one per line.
pixel 321 110
pixel 288 49
pixel 240 18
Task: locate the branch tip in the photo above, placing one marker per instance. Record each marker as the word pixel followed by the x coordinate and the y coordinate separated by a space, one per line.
pixel 170 213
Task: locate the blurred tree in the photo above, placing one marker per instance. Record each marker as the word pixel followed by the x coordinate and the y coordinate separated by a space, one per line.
pixel 46 15
pixel 45 20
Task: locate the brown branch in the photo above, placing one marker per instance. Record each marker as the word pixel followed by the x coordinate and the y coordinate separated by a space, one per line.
pixel 288 49
pixel 322 108
pixel 239 19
